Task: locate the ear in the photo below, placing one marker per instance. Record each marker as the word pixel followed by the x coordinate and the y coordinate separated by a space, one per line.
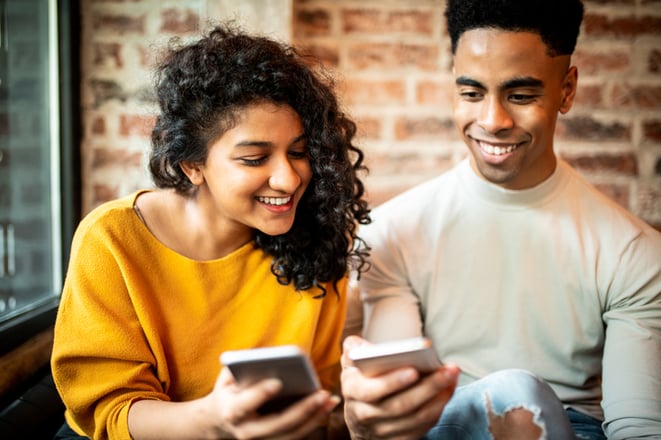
pixel 193 171
pixel 569 84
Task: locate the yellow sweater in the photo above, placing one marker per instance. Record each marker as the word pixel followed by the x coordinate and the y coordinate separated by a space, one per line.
pixel 139 321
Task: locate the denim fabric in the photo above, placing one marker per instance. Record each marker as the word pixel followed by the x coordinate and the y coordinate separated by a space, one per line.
pixel 484 403
pixel 586 426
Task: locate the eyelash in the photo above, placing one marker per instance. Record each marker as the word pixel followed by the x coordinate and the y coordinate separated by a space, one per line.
pixel 296 155
pixel 516 98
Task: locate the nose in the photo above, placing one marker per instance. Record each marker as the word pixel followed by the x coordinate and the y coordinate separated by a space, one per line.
pixel 494 116
pixel 284 176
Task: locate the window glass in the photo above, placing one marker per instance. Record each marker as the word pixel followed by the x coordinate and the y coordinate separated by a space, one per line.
pixel 30 241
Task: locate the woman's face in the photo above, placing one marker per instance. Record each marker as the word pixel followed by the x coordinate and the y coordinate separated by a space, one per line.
pixel 256 172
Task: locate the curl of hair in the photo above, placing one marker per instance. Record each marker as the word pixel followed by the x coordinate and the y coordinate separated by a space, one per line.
pixel 557 22
pixel 201 89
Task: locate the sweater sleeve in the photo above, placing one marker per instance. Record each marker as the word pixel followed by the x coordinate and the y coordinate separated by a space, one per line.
pixel 632 353
pixel 100 355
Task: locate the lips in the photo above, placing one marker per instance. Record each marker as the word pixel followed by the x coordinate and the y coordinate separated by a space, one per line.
pixel 497 150
pixel 274 201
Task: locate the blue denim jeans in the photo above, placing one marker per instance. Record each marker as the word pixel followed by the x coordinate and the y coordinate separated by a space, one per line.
pixel 585 426
pixel 486 408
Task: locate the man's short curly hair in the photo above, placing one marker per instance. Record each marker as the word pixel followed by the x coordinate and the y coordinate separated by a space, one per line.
pixel 202 87
pixel 557 22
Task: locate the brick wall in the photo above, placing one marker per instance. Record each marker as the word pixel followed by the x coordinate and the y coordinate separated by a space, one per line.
pixel 392 63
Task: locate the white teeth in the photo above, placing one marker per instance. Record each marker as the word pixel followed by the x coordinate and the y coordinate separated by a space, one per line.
pixel 277 201
pixel 497 151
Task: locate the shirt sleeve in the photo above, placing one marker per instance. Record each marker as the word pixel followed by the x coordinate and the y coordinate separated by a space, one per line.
pixel 391 307
pixel 632 352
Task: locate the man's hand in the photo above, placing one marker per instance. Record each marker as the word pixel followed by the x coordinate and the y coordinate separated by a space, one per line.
pixel 399 404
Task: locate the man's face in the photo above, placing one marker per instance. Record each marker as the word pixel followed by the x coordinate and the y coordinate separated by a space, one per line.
pixel 508 92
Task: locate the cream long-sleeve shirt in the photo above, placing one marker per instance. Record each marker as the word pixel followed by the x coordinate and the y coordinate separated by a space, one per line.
pixel 140 321
pixel 556 279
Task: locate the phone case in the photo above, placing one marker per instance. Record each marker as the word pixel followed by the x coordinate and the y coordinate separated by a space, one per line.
pixel 375 359
pixel 287 363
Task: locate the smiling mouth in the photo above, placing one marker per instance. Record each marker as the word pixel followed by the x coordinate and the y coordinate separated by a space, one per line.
pixel 275 201
pixel 497 150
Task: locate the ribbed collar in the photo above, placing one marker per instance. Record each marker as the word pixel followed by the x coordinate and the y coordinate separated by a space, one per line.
pixel 513 199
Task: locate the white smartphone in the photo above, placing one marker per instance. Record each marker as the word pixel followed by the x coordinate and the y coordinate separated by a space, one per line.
pixel 375 359
pixel 286 362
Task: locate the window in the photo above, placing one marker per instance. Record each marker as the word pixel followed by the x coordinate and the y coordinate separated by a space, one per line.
pixel 39 165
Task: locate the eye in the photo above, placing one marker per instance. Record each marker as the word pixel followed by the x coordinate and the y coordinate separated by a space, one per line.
pixel 471 95
pixel 253 162
pixel 298 154
pixel 522 98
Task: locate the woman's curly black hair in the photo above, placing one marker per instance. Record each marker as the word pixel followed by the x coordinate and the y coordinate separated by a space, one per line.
pixel 557 22
pixel 201 89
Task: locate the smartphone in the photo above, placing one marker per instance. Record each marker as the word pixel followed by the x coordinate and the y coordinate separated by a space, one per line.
pixel 286 362
pixel 375 359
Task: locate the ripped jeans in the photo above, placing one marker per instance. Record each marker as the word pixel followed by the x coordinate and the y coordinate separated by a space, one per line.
pixel 498 405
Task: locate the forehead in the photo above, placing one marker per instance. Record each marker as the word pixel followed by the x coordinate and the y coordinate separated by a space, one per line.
pixel 488 54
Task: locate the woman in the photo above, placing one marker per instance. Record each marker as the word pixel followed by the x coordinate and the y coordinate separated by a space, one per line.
pixel 245 243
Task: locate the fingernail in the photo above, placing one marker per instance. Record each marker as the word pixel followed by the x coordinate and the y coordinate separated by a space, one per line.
pixel 273 385
pixel 408 376
pixel 334 401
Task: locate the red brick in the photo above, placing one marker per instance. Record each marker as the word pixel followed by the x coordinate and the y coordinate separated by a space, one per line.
pixel 368 127
pixel 105 157
pixel 106 90
pixel 103 193
pixel 407 163
pixel 589 95
pixel 118 24
pixel 379 22
pixel 648 197
pixel 627 95
pixel 374 92
pixel 407 128
pixel 619 163
pixel 630 26
pixel 654 61
pixel 312 23
pixel 136 125
pixel 439 93
pixel 148 56
pixel 652 130
pixel 618 193
pixel 386 56
pixel 98 125
pixel 590 62
pixel 327 54
pixel 179 21
pixel 588 129
pixel 108 54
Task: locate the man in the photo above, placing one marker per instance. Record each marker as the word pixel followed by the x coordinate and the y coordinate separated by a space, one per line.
pixel 542 291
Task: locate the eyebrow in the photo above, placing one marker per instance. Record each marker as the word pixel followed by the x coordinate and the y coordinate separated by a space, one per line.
pixel 524 81
pixel 265 144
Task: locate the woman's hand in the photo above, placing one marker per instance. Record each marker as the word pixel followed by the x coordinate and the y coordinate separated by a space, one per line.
pixel 236 409
pixel 230 411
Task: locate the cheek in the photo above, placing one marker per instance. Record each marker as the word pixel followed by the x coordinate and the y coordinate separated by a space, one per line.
pixel 304 171
pixel 461 114
pixel 537 120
